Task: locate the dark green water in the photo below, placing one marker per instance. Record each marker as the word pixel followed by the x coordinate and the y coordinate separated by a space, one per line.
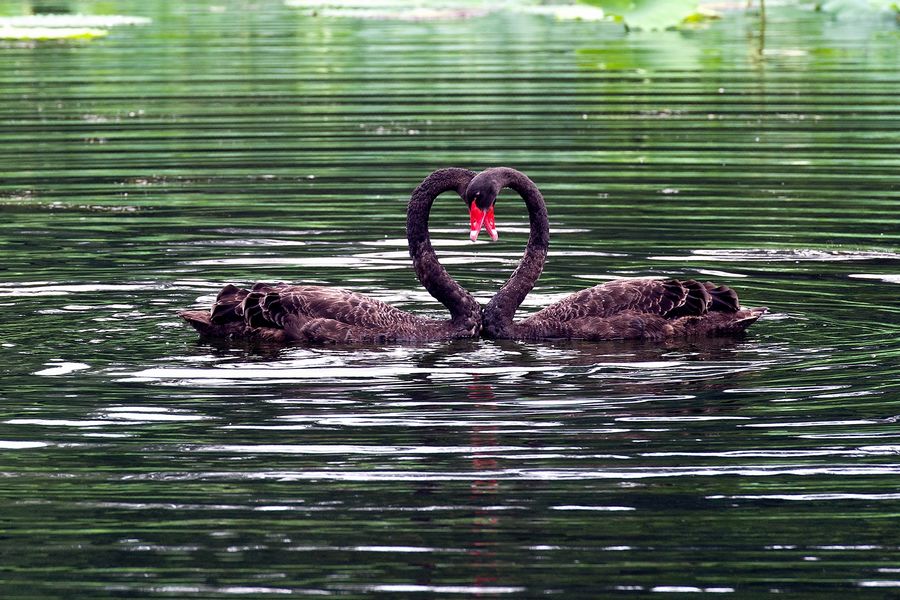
pixel 141 171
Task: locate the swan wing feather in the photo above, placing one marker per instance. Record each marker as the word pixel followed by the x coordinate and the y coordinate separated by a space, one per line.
pixel 650 296
pixel 344 306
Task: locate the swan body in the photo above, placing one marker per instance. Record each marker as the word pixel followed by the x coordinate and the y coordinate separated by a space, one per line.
pixel 283 313
pixel 650 309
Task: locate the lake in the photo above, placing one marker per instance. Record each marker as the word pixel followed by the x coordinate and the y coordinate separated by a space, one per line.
pixel 237 142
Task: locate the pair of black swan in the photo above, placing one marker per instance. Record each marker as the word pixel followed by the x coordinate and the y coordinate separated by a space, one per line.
pixel 649 309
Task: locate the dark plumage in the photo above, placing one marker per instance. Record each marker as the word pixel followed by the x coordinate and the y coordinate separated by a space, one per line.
pixel 283 313
pixel 651 309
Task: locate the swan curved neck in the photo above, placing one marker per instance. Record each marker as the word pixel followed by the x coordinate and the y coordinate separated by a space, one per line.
pixel 430 272
pixel 498 314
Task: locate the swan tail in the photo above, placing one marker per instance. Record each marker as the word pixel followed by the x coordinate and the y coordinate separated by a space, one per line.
pixel 201 321
pixel 198 319
pixel 223 319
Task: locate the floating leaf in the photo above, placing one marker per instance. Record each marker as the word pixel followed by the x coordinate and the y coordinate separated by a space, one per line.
pixel 414 14
pixel 440 10
pixel 71 21
pixel 648 14
pixel 63 27
pixel 860 8
pixel 568 12
pixel 49 33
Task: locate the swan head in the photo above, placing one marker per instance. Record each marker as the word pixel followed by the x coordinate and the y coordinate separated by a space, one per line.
pixel 481 196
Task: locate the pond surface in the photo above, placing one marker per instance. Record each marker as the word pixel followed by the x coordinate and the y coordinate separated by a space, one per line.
pixel 142 170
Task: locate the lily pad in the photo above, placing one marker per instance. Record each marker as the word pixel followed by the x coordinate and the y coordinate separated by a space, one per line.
pixel 71 21
pixel 49 33
pixel 860 9
pixel 647 14
pixel 63 27
pixel 415 14
pixel 568 12
pixel 389 11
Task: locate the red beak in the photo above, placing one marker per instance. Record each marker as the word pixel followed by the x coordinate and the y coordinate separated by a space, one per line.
pixel 478 219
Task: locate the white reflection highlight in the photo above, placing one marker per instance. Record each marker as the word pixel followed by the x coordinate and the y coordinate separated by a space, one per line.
pixel 117 415
pixel 18 445
pixel 64 289
pixel 593 508
pixel 884 278
pixel 267 375
pixel 440 589
pixel 421 421
pixel 815 423
pixel 689 418
pixel 61 368
pixel 344 449
pixel 682 589
pixel 404 549
pixel 810 497
pixel 714 273
pixel 774 255
pixel 529 474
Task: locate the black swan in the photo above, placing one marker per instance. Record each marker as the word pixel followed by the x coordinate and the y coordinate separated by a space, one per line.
pixel 306 313
pixel 650 309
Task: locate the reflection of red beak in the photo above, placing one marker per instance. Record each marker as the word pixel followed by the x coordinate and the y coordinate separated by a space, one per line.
pixel 478 219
